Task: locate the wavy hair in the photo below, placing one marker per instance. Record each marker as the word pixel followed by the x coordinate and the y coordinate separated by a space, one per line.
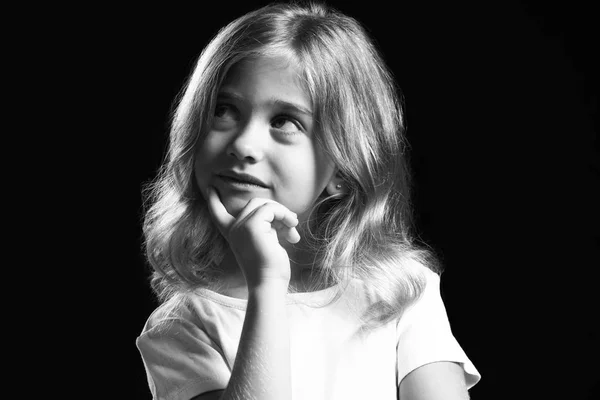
pixel 365 233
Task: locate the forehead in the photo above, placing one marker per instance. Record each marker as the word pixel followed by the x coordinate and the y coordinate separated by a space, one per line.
pixel 267 73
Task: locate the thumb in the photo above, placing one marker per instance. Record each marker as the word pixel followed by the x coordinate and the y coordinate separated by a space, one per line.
pixel 219 213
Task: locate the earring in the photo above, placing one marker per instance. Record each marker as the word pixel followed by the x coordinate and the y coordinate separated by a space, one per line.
pixel 338 186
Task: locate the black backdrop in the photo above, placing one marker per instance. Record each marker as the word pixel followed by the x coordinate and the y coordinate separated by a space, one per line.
pixel 501 104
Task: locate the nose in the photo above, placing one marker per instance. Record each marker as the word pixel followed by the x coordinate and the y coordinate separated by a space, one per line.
pixel 249 143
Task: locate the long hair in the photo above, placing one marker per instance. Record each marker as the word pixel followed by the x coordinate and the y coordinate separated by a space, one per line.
pixel 365 233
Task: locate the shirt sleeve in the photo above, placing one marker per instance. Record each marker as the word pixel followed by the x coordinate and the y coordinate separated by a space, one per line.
pixel 424 335
pixel 181 361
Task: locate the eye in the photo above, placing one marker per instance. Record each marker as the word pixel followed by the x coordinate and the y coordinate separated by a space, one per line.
pixel 286 124
pixel 225 116
pixel 225 111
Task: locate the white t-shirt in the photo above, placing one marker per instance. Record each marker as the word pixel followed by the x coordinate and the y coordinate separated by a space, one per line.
pixel 193 350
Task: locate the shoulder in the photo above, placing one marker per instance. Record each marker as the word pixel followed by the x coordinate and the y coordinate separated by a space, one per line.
pixel 174 310
pixel 426 345
pixel 200 309
pixel 428 310
pixel 182 351
pixel 431 277
pixel 431 290
pixel 181 311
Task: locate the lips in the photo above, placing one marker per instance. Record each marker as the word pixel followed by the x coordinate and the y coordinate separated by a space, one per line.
pixel 238 177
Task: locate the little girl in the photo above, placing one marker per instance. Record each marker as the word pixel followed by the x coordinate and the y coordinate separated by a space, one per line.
pixel 279 227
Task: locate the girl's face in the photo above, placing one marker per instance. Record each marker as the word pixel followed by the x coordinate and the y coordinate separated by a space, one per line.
pixel 261 142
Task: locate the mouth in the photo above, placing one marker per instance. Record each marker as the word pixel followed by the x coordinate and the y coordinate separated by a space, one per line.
pixel 241 179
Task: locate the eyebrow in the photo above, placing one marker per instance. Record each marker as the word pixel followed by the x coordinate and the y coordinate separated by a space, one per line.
pixel 272 101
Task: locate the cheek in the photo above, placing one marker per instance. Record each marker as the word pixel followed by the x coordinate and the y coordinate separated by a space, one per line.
pixel 325 168
pixel 212 145
pixel 308 176
pixel 200 174
pixel 205 157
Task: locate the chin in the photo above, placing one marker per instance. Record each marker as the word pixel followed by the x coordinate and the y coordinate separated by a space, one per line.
pixel 234 205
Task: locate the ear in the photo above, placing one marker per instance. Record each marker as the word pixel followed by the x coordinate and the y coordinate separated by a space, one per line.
pixel 336 185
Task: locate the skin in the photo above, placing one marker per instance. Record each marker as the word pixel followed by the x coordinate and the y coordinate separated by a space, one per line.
pixel 263 126
pixel 254 132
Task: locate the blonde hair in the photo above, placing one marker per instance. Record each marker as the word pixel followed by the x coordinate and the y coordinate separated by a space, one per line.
pixel 365 233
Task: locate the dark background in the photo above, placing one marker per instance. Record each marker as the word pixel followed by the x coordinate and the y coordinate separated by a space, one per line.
pixel 501 103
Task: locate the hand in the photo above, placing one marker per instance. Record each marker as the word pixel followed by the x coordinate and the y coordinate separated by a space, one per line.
pixel 254 237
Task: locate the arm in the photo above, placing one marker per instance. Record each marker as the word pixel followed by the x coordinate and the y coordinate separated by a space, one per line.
pixel 262 365
pixel 436 381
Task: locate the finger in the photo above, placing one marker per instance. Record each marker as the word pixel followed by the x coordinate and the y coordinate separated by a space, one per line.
pixel 251 207
pixel 279 218
pixel 292 235
pixel 285 232
pixel 221 217
pixel 290 219
pixel 280 212
pixel 276 213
